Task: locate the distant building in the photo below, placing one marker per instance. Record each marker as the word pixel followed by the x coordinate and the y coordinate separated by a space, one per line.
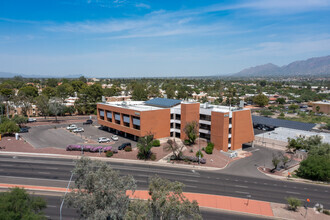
pixel 228 128
pixel 120 98
pixel 324 106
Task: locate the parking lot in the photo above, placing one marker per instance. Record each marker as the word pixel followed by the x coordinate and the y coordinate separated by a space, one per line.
pixel 47 136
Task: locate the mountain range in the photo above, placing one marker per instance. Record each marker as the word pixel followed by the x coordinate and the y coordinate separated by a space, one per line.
pixel 310 67
pixel 11 75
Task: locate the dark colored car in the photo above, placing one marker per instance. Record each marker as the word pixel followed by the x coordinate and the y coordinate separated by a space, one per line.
pixel 88 122
pixel 122 147
pixel 23 130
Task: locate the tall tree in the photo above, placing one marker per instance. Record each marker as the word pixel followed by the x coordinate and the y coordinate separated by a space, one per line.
pixel 144 145
pixel 17 204
pixel 260 100
pixel 175 147
pixel 29 91
pixel 56 107
pixel 167 202
pixel 139 92
pixel 99 192
pixel 191 131
pixel 42 103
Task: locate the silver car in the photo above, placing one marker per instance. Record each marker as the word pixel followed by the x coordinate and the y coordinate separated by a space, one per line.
pixel 103 140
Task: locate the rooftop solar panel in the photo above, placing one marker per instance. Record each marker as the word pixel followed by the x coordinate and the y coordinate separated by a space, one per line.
pixel 282 123
pixel 162 102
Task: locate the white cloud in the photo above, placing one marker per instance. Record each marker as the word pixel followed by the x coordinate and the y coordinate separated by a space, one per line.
pixel 142 5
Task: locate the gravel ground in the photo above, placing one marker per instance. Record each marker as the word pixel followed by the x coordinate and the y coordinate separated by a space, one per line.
pixel 281 211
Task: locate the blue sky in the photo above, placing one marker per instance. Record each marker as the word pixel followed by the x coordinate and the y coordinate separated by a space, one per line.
pixel 123 38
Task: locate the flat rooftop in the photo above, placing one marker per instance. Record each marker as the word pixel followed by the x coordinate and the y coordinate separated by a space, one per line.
pixel 145 106
pixel 322 102
pixel 282 134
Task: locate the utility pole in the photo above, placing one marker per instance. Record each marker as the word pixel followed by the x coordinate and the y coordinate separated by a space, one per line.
pixel 67 188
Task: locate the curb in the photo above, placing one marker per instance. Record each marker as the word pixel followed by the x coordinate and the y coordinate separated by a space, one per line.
pixel 114 160
pixel 283 178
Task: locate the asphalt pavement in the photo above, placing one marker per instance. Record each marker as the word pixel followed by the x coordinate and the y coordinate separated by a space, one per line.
pixel 54 202
pixel 43 136
pixel 261 157
pixel 56 172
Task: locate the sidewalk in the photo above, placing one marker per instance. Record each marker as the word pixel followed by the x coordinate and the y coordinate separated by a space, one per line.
pixel 204 200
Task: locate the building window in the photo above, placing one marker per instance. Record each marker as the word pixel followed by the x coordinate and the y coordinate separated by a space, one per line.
pixel 177 117
pixel 205 117
pixel 205 127
pixel 229 140
pixel 172 116
pixel 229 130
pixel 172 125
pixel 177 135
pixel 126 120
pixel 178 126
pixel 109 116
pixel 117 118
pixel 171 134
pixel 136 123
pixel 101 113
pixel 230 120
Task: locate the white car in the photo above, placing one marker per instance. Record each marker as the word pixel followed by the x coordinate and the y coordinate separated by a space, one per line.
pixel 114 137
pixel 71 127
pixel 77 130
pixel 103 140
pixel 32 120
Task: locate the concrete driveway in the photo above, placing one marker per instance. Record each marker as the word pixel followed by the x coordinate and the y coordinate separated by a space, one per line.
pixel 248 166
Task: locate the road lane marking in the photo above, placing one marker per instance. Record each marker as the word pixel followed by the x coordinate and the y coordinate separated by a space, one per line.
pixel 242 192
pixel 19 177
pixel 44 172
pixel 292 192
pixel 241 186
pixel 254 150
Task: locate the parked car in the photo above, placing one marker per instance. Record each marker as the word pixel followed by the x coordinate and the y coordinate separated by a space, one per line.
pixel 114 137
pixel 77 130
pixel 32 120
pixel 124 145
pixel 23 130
pixel 71 127
pixel 88 122
pixel 103 140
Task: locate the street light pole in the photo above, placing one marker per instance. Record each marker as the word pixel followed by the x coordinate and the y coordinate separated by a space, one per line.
pixel 67 188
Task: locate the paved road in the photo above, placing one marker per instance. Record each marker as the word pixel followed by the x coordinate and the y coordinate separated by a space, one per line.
pixel 54 203
pixel 56 172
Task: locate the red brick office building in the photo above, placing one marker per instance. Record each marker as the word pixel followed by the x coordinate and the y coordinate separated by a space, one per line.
pixel 226 127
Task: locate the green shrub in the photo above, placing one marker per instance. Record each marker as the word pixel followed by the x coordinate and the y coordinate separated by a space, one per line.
pixel 128 148
pixel 327 212
pixel 186 142
pixel 153 157
pixel 209 150
pixel 109 154
pixel 199 153
pixel 315 167
pixel 191 151
pixel 210 144
pixel 293 203
pixel 156 143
